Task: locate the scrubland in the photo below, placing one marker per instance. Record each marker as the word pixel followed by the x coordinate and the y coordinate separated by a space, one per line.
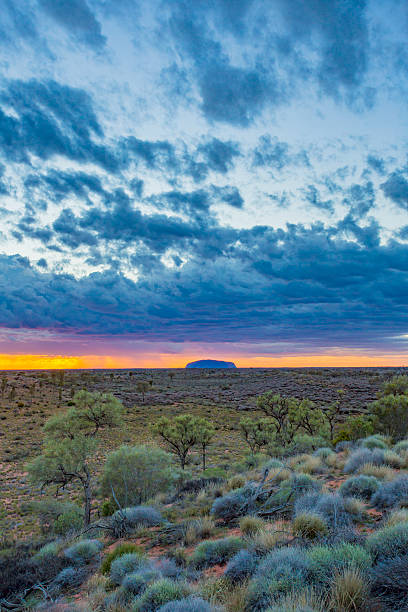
pixel 293 497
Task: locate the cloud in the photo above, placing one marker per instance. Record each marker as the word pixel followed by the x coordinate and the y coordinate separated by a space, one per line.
pixel 377 164
pixel 229 93
pixel 275 154
pixel 76 17
pixel 299 284
pixel 396 188
pixel 338 31
pixel 51 119
pixel 218 155
pixel 360 199
pixel 313 197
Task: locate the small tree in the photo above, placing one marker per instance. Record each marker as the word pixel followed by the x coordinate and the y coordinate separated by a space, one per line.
pixel 3 386
pixel 205 433
pixel 278 408
pixel 398 385
pixel 257 432
pixel 390 415
pixel 306 416
pixel 70 444
pixel 332 413
pixel 134 474
pixel 180 434
pixel 355 427
pixel 142 387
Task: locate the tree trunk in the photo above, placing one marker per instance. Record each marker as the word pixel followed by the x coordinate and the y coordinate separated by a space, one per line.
pixel 88 498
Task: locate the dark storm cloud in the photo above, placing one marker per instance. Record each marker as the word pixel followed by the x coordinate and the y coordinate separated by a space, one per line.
pixel 299 284
pixel 52 119
pixel 76 17
pixel 396 188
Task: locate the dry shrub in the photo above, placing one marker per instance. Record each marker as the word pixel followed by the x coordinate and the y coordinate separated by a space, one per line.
pixel 309 526
pixel 235 482
pixel 199 529
pixel 349 591
pixel 278 474
pixel 399 516
pixel 237 599
pixel 382 472
pixel 312 465
pixel 336 461
pixel 250 525
pixel 307 600
pixel 264 541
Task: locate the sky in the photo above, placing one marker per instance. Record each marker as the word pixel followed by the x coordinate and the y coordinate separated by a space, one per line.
pixel 216 178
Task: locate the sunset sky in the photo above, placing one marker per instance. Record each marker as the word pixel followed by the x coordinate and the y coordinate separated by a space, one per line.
pixel 212 178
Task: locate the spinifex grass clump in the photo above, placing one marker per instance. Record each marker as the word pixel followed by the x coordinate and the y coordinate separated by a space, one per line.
pixel 159 593
pixel 128 520
pixel 233 504
pixel 390 494
pixel 309 526
pixel 360 486
pixel 126 564
pixel 189 604
pixel 362 456
pixel 388 542
pixel 325 561
pixel 214 552
pixel 329 506
pixel 389 581
pixel 278 573
pixel 83 552
pixel 242 565
pixel 118 551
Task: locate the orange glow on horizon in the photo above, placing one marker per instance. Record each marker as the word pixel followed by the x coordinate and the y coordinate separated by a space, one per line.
pixel 167 360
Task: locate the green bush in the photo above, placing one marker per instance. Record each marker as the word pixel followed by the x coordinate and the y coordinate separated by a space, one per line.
pixel 214 472
pixel 325 561
pixel 69 521
pixel 214 552
pixel 83 552
pixel 160 593
pixel 360 486
pixel 121 549
pixel 137 473
pixel 390 414
pixel 353 428
pixel 388 542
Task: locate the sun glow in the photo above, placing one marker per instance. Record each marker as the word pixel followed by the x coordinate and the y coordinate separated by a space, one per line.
pixel 167 360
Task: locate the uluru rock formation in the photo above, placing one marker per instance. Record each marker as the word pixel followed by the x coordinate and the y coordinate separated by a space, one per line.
pixel 211 363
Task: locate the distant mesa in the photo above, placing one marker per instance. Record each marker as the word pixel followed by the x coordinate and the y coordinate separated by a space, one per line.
pixel 211 363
